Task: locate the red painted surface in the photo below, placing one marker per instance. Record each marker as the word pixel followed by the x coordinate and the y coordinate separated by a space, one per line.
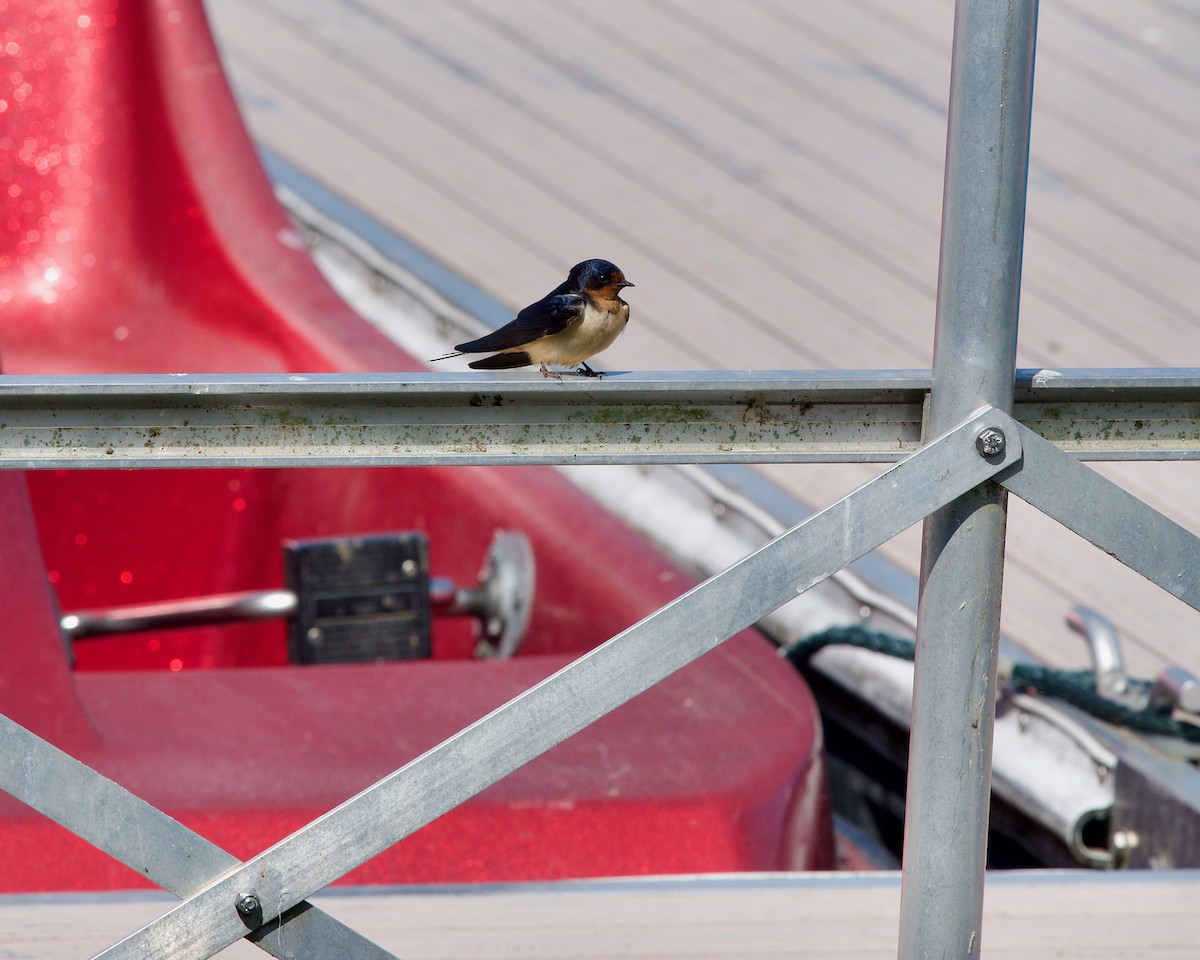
pixel 141 235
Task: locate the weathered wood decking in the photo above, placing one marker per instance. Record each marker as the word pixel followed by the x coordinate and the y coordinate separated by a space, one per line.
pixel 769 174
pixel 1070 916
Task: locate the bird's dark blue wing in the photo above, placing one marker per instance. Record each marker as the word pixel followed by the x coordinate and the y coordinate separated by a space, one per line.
pixel 549 315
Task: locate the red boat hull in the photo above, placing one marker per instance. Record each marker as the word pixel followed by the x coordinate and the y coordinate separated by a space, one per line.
pixel 142 236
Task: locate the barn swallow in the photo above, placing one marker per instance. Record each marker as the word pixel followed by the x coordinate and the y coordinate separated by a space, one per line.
pixel 576 320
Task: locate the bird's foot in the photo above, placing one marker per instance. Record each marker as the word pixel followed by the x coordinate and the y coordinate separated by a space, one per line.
pixel 546 372
pixel 586 371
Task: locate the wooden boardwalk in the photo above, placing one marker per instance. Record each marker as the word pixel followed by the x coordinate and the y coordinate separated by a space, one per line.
pixel 769 174
pixel 1070 916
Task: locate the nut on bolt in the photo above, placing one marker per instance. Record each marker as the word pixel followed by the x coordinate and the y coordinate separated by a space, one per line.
pixel 249 908
pixel 990 442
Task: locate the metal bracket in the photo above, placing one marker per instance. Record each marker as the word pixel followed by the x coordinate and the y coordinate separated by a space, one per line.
pixel 359 599
pixel 1107 662
pixel 1173 689
pixel 503 600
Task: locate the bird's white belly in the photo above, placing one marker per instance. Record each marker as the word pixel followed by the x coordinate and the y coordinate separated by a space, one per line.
pixel 594 333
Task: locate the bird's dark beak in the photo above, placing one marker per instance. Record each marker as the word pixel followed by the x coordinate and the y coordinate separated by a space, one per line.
pixel 624 283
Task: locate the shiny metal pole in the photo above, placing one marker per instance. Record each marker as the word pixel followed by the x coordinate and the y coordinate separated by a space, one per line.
pixel 983 216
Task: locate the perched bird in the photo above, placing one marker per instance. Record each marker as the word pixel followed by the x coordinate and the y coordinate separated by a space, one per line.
pixel 574 321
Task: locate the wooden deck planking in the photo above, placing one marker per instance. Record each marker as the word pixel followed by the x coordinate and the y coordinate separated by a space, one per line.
pixel 467 163
pixel 1087 79
pixel 761 917
pixel 805 236
pixel 719 271
pixel 1068 324
pixel 1059 195
pixel 762 158
pixel 769 174
pixel 1117 275
pixel 1163 27
pixel 700 282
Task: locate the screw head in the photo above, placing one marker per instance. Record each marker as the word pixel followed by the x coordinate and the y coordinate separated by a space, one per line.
pixel 990 442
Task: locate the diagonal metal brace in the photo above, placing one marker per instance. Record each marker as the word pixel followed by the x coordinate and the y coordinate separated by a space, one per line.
pixel 1110 517
pixel 153 844
pixel 584 691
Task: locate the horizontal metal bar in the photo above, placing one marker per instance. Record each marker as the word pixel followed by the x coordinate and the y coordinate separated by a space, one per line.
pixel 445 599
pixel 414 418
pixel 176 614
pixel 1113 414
pixel 580 693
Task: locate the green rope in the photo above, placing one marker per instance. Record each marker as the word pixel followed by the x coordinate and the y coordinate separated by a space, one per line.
pixel 1076 687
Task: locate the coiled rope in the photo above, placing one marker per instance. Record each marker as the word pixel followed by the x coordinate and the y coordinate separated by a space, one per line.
pixel 1076 687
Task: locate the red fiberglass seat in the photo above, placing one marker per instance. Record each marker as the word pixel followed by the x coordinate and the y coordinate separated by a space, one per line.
pixel 141 235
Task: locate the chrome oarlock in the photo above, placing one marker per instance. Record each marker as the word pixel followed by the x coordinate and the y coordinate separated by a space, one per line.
pixel 500 602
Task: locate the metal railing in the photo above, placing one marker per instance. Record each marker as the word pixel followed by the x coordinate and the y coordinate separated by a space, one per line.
pixel 961 439
pixel 226 900
pixel 281 420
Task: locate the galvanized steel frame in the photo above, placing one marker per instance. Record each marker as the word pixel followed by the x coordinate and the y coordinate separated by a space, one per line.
pixel 958 478
pixel 279 879
pixel 580 693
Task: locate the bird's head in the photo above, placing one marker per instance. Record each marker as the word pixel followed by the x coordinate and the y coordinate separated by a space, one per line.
pixel 598 277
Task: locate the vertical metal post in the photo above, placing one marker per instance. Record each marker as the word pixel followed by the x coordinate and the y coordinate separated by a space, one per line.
pixel 983 217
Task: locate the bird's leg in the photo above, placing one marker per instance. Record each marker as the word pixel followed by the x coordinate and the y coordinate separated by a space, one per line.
pixel 551 373
pixel 586 371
